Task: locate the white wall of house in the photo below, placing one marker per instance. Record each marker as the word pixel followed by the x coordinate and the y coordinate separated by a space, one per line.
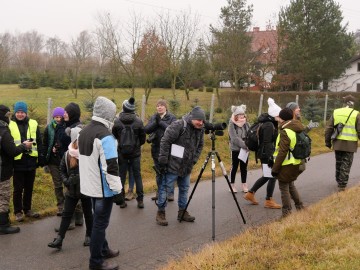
pixel 349 82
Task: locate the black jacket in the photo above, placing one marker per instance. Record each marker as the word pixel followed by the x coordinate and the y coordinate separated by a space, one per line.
pixel 267 137
pixel 8 150
pixel 139 132
pixel 48 143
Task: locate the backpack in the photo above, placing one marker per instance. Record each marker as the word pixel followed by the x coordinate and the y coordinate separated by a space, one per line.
pixel 302 148
pixel 127 143
pixel 252 137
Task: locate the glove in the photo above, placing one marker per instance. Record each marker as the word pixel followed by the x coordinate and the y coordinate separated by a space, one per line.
pixel 119 198
pixel 46 169
pixel 312 125
pixel 157 119
pixel 274 174
pixel 328 145
pixel 271 162
pixel 163 169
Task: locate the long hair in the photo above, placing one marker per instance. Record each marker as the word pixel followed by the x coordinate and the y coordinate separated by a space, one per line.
pixel 72 161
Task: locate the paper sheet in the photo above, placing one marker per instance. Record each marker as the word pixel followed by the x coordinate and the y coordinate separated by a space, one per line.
pixel 177 151
pixel 266 170
pixel 243 155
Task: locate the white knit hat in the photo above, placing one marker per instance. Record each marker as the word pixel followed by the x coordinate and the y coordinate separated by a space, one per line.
pixel 238 109
pixel 274 109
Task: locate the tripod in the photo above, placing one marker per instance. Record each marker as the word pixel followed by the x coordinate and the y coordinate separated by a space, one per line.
pixel 212 154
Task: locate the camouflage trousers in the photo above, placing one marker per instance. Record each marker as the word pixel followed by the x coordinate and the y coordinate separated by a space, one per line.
pixel 5 193
pixel 344 161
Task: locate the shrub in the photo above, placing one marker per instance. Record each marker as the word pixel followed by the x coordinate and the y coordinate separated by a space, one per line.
pixel 218 110
pixel 209 89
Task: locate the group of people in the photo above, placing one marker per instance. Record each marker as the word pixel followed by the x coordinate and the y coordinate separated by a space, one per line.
pixel 92 164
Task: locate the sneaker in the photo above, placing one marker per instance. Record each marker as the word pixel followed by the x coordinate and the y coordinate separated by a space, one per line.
pixel 170 197
pixel 271 204
pixel 32 214
pixel 161 219
pixel 123 205
pixel 244 187
pixel 155 197
pixel 140 204
pixel 233 188
pixel 19 217
pixel 59 212
pixel 129 196
pixel 250 196
pixel 87 241
pixel 187 217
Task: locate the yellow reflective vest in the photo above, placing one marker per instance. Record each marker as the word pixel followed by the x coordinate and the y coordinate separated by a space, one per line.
pixel 349 131
pixel 289 157
pixel 31 133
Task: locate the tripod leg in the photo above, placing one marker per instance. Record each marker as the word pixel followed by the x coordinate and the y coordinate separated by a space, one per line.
pixel 228 182
pixel 196 183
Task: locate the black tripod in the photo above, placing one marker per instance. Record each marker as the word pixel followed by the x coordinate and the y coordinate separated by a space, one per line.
pixel 212 154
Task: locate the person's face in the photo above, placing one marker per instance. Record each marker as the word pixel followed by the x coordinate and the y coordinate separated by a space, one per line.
pixel 66 116
pixel 197 123
pixel 161 109
pixel 20 115
pixel 239 117
pixel 278 119
pixel 297 112
pixel 58 119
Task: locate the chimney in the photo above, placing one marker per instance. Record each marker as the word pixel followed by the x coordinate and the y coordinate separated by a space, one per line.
pixel 256 29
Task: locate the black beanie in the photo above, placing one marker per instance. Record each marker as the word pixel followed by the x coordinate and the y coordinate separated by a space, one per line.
pixel 286 114
pixel 3 111
pixel 73 110
pixel 129 105
pixel 197 114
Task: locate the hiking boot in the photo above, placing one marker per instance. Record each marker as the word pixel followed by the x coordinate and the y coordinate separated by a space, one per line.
pixel 244 187
pixel 32 214
pixel 123 205
pixel 155 197
pixel 59 211
pixel 341 188
pixel 140 204
pixel 57 243
pixel 104 266
pixel 161 219
pixel 233 188
pixel 5 227
pixel 271 204
pixel 71 226
pixel 170 197
pixel 19 217
pixel 111 253
pixel 129 196
pixel 87 241
pixel 186 216
pixel 250 196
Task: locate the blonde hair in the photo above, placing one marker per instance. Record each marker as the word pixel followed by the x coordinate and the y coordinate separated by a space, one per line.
pixel 72 161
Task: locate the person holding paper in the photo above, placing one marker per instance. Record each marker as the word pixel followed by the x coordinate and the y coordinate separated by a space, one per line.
pixel 180 149
pixel 267 136
pixel 238 127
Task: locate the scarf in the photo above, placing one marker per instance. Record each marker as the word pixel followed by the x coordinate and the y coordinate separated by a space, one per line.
pixel 239 122
pixel 73 152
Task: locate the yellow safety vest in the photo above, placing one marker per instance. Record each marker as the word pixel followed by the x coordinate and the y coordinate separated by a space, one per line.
pixel 289 157
pixel 31 133
pixel 349 131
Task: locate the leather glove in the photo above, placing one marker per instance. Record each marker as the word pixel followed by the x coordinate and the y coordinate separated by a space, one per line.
pixel 274 174
pixel 312 125
pixel 271 162
pixel 328 145
pixel 157 119
pixel 163 169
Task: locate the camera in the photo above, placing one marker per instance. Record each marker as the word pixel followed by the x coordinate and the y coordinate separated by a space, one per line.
pixel 214 127
pixel 32 140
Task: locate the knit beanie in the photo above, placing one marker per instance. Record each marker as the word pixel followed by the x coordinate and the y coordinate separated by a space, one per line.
pixel 58 111
pixel 238 109
pixel 197 114
pixel 286 114
pixel 129 105
pixel 292 105
pixel 162 102
pixel 3 111
pixel 20 106
pixel 105 109
pixel 274 109
pixel 74 132
pixel 73 111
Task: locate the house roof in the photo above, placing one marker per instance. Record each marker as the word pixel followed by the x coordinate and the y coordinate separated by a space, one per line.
pixel 354 59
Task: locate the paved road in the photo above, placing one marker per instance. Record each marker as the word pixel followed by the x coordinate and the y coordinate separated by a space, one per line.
pixel 145 245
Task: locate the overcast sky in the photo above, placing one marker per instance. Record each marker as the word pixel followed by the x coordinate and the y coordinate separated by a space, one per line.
pixel 67 18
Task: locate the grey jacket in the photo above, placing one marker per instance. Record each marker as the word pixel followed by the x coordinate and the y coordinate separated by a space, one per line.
pixel 237 136
pixel 191 139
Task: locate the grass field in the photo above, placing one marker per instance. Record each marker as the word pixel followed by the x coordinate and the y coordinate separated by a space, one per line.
pixel 44 199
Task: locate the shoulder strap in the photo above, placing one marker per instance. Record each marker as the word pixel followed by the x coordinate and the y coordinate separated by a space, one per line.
pixel 349 116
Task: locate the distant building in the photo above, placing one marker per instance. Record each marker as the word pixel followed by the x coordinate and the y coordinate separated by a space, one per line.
pixel 350 80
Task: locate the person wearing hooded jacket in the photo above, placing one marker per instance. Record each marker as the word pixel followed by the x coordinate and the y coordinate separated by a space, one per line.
pixel 129 118
pixel 99 177
pixel 267 136
pixel 23 128
pixel 8 150
pixel 176 165
pixel 286 167
pixel 156 127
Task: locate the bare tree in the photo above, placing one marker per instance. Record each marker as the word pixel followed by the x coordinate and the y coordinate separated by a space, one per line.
pixel 5 50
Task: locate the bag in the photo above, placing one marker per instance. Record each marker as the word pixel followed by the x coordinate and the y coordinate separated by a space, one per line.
pixel 302 148
pixel 337 130
pixel 252 137
pixel 127 142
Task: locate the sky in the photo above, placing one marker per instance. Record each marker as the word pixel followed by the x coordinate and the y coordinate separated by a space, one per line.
pixel 67 18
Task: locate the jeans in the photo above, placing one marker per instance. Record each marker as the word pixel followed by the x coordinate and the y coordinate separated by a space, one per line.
pixel 170 190
pixel 168 182
pixel 133 163
pixel 23 189
pixel 98 245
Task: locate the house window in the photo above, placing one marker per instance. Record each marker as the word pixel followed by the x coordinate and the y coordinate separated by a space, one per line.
pixel 358 87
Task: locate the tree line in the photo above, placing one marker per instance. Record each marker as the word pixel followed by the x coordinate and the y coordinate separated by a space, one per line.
pixel 312 46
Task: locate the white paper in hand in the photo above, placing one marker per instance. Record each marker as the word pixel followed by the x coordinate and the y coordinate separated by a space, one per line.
pixel 177 151
pixel 266 170
pixel 243 155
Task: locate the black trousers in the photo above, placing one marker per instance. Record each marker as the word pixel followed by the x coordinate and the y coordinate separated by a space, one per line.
pixel 23 182
pixel 235 164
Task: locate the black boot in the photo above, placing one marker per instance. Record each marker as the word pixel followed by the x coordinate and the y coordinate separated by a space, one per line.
pixel 79 221
pixel 5 227
pixel 57 243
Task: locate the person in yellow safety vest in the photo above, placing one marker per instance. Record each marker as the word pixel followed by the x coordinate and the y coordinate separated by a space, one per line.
pixel 23 128
pixel 346 142
pixel 286 167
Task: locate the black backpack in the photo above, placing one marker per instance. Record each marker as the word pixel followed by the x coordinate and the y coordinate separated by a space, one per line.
pixel 302 148
pixel 252 137
pixel 127 143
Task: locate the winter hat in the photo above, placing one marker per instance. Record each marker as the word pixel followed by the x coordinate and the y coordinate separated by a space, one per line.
pixel 162 102
pixel 197 114
pixel 129 105
pixel 274 109
pixel 3 111
pixel 292 105
pixel 238 109
pixel 349 100
pixel 58 111
pixel 73 111
pixel 74 132
pixel 20 106
pixel 105 109
pixel 286 114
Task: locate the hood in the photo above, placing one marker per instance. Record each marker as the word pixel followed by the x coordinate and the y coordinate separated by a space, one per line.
pixel 265 117
pixel 127 117
pixel 294 125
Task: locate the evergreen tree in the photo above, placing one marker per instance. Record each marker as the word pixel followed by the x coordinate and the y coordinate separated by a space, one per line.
pixel 312 110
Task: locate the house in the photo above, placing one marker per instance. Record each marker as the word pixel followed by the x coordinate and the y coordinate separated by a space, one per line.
pixel 350 80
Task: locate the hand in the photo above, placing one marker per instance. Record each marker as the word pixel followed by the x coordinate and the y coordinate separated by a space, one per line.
pixel 28 144
pixel 312 125
pixel 271 162
pixel 274 174
pixel 163 169
pixel 119 198
pixel 157 119
pixel 328 145
pixel 46 169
